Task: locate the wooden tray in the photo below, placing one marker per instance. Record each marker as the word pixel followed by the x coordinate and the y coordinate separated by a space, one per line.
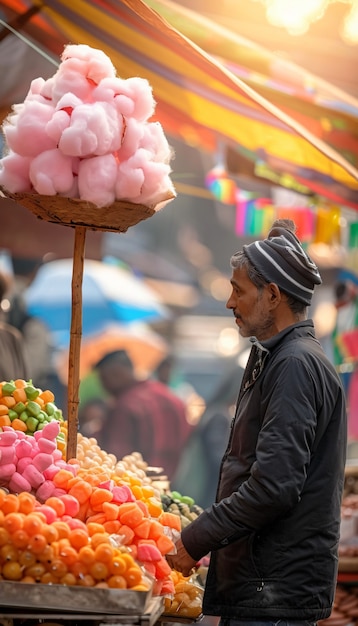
pixel 117 217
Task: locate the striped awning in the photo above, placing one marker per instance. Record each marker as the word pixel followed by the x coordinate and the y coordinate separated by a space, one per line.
pixel 198 98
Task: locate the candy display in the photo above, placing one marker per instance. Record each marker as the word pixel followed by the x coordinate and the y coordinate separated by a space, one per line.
pixel 94 521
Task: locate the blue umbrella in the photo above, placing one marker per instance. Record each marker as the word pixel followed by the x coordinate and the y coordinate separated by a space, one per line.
pixel 109 294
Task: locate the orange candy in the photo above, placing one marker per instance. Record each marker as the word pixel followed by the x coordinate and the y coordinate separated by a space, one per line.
pixel 98 497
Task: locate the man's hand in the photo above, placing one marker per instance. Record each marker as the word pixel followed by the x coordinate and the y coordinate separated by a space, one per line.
pixel 181 561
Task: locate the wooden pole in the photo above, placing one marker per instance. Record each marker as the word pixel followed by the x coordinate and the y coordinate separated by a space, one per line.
pixel 75 342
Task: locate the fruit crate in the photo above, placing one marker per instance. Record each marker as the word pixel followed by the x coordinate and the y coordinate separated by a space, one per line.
pixel 67 599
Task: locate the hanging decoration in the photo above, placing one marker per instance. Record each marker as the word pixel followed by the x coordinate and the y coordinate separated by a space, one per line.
pixel 316 223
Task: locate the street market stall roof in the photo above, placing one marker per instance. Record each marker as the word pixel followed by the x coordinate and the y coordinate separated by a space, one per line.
pixel 198 98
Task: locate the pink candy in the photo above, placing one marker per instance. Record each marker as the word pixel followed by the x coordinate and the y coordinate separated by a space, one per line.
pixel 85 120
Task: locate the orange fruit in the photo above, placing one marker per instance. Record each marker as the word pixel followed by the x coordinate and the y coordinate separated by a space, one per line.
pixel 62 528
pixel 37 543
pixel 99 571
pixel 50 533
pixel 10 504
pixel 57 504
pixel 86 581
pixel 58 568
pixel 78 538
pixel 98 538
pixel 33 524
pixel 13 521
pixel 36 570
pixel 117 566
pixel 104 552
pixel 133 576
pixel 27 559
pixel 8 552
pixel 68 579
pixel 20 538
pixel 26 502
pixel 86 555
pixel 12 570
pixel 79 569
pixel 69 555
pixel 4 536
pixel 117 582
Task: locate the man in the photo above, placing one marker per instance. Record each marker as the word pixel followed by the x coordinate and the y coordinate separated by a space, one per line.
pixel 146 416
pixel 273 532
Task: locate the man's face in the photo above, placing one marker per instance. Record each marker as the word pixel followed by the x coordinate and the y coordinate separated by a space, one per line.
pixel 112 376
pixel 250 306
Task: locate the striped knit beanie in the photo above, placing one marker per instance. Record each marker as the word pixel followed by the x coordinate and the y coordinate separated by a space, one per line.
pixel 281 259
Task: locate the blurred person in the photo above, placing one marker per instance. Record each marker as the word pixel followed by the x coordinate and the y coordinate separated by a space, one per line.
pixel 273 532
pixel 92 419
pixel 198 470
pixel 145 415
pixel 13 359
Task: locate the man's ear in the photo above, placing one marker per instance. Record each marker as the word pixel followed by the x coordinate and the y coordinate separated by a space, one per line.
pixel 274 294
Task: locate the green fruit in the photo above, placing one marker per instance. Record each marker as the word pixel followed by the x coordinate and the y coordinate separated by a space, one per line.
pixel 32 424
pixel 42 416
pixel 188 500
pixel 176 495
pixel 12 414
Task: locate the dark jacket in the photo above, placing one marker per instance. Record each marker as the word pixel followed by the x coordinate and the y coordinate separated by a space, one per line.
pixel 274 532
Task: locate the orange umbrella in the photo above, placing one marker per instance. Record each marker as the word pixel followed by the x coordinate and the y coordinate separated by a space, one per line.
pixel 144 346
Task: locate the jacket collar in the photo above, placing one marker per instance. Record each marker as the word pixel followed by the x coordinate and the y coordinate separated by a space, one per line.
pixel 261 350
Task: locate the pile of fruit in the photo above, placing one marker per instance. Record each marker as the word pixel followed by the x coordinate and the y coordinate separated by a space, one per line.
pixel 94 521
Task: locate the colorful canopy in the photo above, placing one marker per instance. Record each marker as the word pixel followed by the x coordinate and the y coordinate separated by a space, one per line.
pixel 198 98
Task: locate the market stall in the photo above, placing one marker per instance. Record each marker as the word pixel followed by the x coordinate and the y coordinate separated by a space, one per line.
pixel 83 535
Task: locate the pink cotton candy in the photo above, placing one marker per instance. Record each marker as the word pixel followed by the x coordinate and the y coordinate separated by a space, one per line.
pixel 130 180
pixel 51 172
pixel 133 97
pixel 18 483
pixel 33 475
pixel 95 129
pixel 154 140
pixel 29 137
pixel 133 133
pixel 14 173
pixel 57 124
pixel 102 169
pixel 138 92
pixel 91 62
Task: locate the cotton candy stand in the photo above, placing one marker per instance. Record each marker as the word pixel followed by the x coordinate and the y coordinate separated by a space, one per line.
pixel 81 216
